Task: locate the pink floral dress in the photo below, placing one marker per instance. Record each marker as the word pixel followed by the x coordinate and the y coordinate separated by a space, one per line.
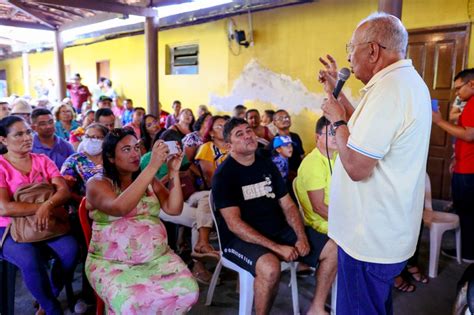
pixel 131 267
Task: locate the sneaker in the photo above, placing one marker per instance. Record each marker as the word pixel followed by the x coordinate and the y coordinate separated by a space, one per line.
pixel 80 307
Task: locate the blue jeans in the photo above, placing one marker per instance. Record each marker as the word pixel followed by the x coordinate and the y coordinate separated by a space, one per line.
pixel 463 201
pixel 30 259
pixel 364 288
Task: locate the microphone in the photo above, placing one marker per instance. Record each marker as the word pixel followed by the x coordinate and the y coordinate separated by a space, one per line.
pixel 342 77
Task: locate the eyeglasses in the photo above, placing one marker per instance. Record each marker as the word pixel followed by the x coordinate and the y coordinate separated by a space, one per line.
pixel 457 88
pixel 350 47
pixel 151 124
pixel 93 137
pixel 330 131
pixel 281 118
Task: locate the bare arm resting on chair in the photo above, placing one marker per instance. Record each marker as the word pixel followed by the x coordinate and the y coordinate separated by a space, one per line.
pixel 248 234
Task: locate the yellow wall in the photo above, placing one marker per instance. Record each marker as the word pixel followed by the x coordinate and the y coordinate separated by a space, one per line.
pixel 193 90
pixel 14 72
pixel 127 65
pixel 287 40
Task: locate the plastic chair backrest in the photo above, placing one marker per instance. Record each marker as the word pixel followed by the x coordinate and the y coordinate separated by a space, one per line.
pixel 300 207
pixel 84 219
pixel 428 201
pixel 213 208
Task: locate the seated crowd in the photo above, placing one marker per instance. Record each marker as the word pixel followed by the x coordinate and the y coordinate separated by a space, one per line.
pixel 139 196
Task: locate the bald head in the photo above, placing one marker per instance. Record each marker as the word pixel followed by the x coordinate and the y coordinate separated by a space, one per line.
pixel 385 29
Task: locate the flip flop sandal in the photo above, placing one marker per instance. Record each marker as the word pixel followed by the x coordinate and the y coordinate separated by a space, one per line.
pixel 405 287
pixel 209 256
pixel 417 276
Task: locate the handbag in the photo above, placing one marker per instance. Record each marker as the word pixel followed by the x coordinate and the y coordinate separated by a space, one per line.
pixel 23 229
pixel 187 184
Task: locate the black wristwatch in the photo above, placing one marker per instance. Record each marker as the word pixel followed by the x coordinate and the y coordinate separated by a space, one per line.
pixel 338 124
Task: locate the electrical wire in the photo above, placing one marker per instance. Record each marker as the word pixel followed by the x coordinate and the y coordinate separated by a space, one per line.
pixel 327 148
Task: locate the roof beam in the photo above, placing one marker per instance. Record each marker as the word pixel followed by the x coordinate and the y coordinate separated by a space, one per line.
pixel 104 5
pixel 7 22
pixel 89 20
pixel 162 3
pixel 31 13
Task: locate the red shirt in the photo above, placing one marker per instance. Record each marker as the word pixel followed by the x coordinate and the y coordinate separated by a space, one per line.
pixel 464 151
pixel 79 94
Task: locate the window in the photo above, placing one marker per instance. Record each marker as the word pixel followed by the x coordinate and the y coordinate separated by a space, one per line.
pixel 184 59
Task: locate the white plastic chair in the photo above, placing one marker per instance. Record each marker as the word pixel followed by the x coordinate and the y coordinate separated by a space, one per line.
pixel 439 222
pixel 246 279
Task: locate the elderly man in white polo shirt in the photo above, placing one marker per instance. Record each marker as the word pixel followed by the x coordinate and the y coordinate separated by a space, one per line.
pixel 378 181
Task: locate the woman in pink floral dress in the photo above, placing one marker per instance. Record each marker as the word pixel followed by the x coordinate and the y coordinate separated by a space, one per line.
pixel 129 264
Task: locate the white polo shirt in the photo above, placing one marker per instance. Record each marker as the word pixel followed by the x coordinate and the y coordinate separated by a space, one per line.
pixel 378 219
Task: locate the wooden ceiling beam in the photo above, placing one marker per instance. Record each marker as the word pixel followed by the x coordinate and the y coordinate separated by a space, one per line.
pixel 89 20
pixel 103 5
pixel 7 22
pixel 62 10
pixel 31 13
pixel 162 3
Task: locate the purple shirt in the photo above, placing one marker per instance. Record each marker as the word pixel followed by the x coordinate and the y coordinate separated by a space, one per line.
pixel 170 120
pixel 60 151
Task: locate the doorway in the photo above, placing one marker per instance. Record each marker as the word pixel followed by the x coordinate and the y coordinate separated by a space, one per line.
pixel 102 69
pixel 438 54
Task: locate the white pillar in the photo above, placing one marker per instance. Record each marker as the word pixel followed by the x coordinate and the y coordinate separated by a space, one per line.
pixel 26 73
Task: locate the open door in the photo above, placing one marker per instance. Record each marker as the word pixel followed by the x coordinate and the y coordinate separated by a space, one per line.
pixel 438 54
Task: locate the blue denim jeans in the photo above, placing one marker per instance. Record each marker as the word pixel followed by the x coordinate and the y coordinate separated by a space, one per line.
pixel 30 259
pixel 364 288
pixel 463 201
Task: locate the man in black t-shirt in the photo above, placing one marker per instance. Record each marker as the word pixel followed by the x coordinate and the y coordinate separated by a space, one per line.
pixel 260 225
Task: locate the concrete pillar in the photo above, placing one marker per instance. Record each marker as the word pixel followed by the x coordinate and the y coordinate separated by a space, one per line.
pixel 151 64
pixel 26 73
pixel 59 66
pixel 393 7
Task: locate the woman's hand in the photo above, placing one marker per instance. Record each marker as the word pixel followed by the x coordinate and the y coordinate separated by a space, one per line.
pixel 174 163
pixel 42 216
pixel 159 154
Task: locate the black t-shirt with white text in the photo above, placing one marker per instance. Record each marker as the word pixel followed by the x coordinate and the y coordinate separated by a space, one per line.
pixel 255 189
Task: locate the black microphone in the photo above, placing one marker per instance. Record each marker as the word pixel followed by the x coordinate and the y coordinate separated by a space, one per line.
pixel 342 77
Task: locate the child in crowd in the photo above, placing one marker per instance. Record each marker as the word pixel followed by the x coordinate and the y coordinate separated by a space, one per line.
pixel 282 151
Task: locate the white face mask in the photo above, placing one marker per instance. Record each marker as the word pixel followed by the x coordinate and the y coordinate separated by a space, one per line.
pixel 92 146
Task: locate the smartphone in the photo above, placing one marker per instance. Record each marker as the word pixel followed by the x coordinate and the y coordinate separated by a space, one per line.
pixel 434 105
pixel 172 146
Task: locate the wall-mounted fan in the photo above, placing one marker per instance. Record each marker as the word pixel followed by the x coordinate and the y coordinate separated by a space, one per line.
pixel 236 35
pixel 238 38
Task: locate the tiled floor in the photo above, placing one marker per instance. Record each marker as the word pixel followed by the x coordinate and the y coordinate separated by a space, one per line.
pixel 435 298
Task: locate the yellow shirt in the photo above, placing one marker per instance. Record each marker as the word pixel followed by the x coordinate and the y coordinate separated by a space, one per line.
pixel 314 174
pixel 209 152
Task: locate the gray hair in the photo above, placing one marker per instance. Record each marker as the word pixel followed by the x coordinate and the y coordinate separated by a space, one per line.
pixel 387 30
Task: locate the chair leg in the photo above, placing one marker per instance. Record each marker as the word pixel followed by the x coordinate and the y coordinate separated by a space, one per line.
pixel 294 288
pixel 458 244
pixel 435 246
pixel 70 296
pixel 246 293
pixel 212 285
pixel 11 282
pixel 334 296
